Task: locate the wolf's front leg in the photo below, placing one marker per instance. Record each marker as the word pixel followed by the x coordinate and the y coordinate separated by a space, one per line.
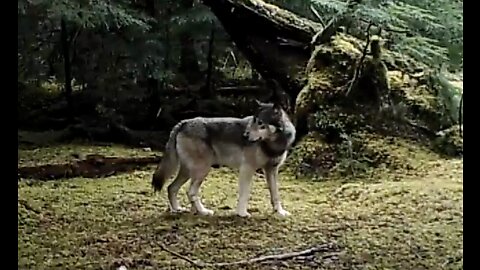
pixel 245 182
pixel 271 175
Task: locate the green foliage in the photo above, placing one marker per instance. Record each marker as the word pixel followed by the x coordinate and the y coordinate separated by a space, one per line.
pixel 429 31
pixel 91 14
pixel 448 94
pixel 139 44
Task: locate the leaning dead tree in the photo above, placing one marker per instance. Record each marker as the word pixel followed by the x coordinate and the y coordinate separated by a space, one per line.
pixel 278 43
pixel 307 60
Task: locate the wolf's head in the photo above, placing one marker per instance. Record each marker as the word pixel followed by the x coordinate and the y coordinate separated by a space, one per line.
pixel 267 123
pixel 257 130
pixel 271 114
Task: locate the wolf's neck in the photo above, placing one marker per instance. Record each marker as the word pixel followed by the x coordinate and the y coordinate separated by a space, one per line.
pixel 273 149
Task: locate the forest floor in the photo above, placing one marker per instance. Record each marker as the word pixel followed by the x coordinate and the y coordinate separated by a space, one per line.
pixel 394 220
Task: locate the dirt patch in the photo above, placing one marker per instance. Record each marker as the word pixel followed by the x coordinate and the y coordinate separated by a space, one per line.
pixel 93 166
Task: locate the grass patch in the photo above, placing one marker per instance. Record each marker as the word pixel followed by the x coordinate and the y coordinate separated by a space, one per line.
pixel 414 222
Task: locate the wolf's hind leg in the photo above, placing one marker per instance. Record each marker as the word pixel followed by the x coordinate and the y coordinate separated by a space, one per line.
pixel 198 175
pixel 174 187
pixel 197 157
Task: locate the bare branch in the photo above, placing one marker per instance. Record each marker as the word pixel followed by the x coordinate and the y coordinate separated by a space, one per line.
pixel 332 26
pixel 28 206
pixel 315 12
pixel 388 29
pixel 283 256
pixel 356 75
pixel 178 255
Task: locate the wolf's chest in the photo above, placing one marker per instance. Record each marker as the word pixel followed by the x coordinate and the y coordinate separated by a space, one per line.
pixel 255 157
pixel 235 156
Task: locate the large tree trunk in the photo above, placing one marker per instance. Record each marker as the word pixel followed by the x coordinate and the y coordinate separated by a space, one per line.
pixel 319 68
pixel 189 66
pixel 278 43
pixel 67 69
pixel 275 41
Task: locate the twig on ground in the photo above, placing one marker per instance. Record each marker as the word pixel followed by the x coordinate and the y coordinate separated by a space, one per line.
pixel 28 206
pixel 176 254
pixel 283 256
pixel 427 131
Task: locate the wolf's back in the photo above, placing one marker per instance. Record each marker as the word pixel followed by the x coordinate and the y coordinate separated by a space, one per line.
pixel 169 164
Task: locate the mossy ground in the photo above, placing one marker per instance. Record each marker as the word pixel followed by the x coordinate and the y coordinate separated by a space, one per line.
pixel 401 220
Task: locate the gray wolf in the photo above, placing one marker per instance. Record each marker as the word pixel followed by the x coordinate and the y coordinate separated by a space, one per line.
pixel 259 141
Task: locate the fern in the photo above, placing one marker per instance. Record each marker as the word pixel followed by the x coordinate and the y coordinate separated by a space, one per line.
pixel 448 94
pixel 429 31
pixel 423 49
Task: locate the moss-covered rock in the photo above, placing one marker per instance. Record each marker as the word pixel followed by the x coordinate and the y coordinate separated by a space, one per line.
pixel 322 107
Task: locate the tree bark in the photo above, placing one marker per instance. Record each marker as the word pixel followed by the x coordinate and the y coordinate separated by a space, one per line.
pixel 208 84
pixel 277 42
pixel 67 69
pixel 188 57
pixel 153 83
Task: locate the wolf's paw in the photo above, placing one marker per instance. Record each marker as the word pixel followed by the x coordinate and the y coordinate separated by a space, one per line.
pixel 205 212
pixel 243 214
pixel 178 210
pixel 282 212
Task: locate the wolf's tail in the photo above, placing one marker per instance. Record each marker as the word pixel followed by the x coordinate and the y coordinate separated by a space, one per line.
pixel 169 164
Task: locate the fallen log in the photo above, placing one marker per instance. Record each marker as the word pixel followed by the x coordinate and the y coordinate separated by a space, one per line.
pixel 93 166
pixel 277 42
pixel 315 63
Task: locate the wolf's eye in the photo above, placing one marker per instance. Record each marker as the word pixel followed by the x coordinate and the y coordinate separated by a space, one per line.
pixel 260 122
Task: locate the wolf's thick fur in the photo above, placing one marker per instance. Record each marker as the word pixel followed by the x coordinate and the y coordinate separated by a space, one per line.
pixel 247 144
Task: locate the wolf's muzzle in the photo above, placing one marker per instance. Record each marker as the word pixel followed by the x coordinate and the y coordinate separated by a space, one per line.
pixel 246 136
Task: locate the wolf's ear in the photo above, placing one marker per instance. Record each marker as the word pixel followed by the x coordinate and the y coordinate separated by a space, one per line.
pixel 259 103
pixel 272 128
pixel 277 106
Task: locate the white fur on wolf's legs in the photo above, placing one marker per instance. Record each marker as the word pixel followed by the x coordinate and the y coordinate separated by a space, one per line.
pixel 173 189
pixel 197 206
pixel 271 175
pixel 245 182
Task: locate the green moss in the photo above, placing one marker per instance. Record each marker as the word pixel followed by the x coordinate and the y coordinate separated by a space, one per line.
pixel 414 222
pixel 362 156
pixel 398 80
pixel 313 93
pixel 347 44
